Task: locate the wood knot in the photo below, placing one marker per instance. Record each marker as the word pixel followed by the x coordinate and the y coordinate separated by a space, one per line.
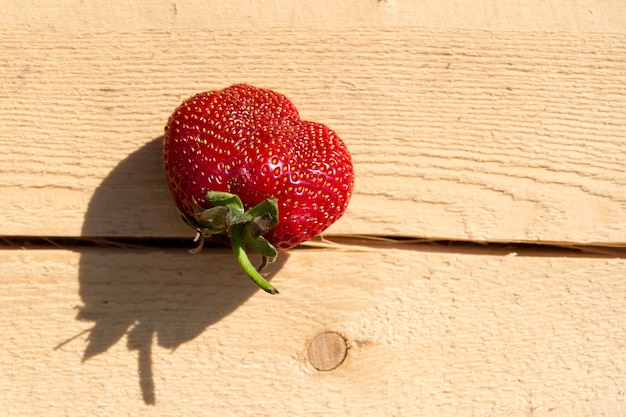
pixel 327 351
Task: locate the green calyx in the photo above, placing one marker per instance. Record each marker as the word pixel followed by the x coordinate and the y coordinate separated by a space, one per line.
pixel 245 229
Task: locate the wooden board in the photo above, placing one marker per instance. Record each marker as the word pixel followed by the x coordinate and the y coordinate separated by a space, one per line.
pixel 590 16
pixel 428 332
pixel 458 135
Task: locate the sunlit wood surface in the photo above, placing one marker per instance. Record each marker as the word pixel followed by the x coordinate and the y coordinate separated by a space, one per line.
pixel 496 130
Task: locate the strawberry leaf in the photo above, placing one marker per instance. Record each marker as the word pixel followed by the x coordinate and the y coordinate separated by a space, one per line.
pixel 258 244
pixel 213 220
pixel 269 206
pixel 231 202
pixel 218 198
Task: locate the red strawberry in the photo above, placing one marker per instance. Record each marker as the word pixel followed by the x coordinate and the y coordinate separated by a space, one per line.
pixel 246 148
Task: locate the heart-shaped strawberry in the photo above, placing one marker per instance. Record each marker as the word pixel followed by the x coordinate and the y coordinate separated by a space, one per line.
pixel 241 162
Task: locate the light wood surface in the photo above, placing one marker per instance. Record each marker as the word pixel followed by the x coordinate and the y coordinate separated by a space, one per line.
pixel 429 333
pixel 456 135
pixel 474 122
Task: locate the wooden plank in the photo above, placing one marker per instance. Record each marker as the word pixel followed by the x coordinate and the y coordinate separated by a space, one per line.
pixel 458 135
pixel 428 333
pixel 599 16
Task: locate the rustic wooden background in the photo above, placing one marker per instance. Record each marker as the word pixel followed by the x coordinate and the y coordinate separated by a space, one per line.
pixel 489 141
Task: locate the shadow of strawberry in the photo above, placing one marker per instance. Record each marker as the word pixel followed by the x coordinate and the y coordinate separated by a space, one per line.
pixel 143 284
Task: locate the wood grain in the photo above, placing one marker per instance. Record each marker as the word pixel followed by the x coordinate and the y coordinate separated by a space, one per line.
pixel 429 333
pixel 479 121
pixel 593 16
pixel 465 135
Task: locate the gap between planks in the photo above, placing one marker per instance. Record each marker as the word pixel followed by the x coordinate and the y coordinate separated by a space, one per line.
pixel 334 243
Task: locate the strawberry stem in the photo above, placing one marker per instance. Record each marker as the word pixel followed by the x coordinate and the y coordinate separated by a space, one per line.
pixel 244 228
pixel 236 235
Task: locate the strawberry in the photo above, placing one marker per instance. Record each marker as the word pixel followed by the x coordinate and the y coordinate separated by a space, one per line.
pixel 240 162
